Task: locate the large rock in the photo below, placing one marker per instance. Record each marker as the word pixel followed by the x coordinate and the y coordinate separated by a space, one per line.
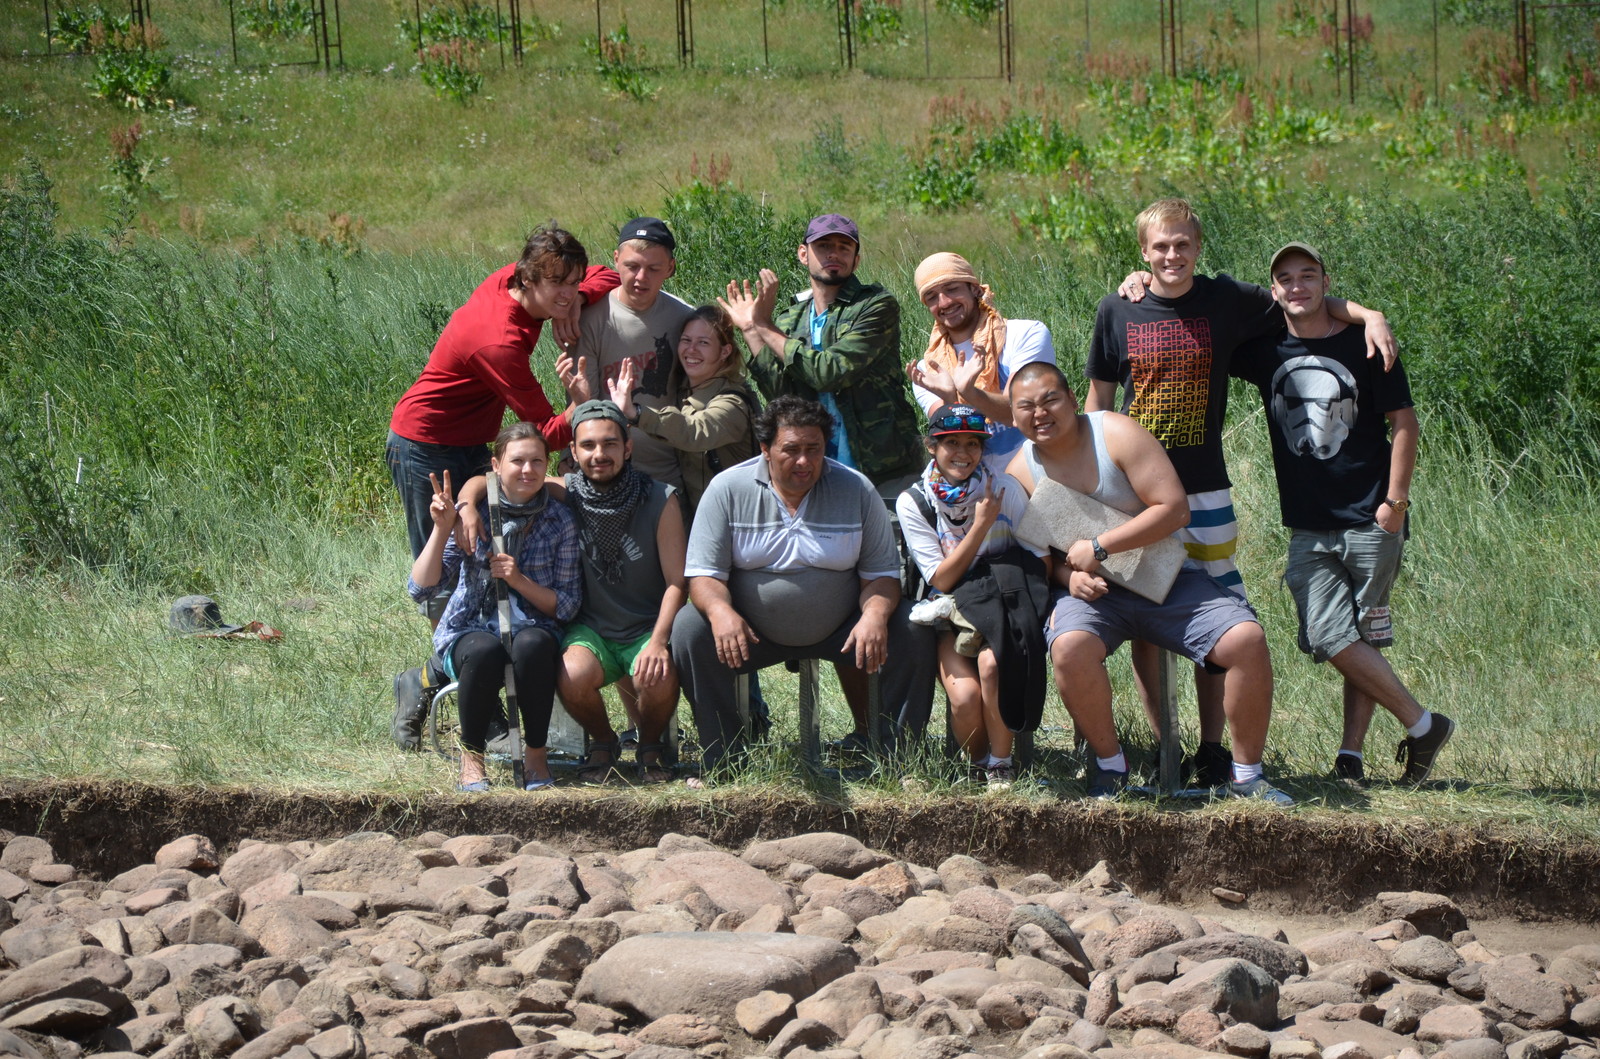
pixel 843 1002
pixel 708 974
pixel 257 863
pixel 1426 957
pixel 827 851
pixel 731 883
pixel 1530 1000
pixel 1228 986
pixel 1375 1041
pixel 195 853
pixel 366 862
pixel 555 877
pixel 82 973
pixel 1432 914
pixel 1342 945
pixel 1456 1022
pixel 959 871
pixel 1276 958
pixel 471 1038
pixel 282 928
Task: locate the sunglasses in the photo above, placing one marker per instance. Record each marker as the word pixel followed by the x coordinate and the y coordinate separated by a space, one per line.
pixel 974 422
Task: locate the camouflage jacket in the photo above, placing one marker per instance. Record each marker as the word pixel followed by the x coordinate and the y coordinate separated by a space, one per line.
pixel 859 364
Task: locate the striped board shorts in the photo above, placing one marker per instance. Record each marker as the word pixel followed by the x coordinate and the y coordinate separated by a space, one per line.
pixel 1212 536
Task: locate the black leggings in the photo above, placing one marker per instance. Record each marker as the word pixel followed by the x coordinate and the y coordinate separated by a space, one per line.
pixel 480 662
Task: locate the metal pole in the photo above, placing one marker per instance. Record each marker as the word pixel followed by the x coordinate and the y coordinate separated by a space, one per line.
pixel 1350 42
pixel 927 54
pixel 338 33
pixel 327 54
pixel 597 23
pixel 1436 96
pixel 419 30
pixel 233 32
pixel 1258 33
pixel 49 45
pixel 766 56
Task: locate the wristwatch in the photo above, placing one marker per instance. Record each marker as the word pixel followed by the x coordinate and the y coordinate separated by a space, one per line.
pixel 1400 506
pixel 1100 554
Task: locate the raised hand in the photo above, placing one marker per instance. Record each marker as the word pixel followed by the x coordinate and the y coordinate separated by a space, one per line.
pixel 989 504
pixel 574 375
pixel 934 378
pixel 621 388
pixel 442 508
pixel 964 376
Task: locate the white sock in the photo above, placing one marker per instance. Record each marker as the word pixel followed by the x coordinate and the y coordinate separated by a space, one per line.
pixel 1352 753
pixel 984 761
pixel 1246 773
pixel 1422 727
pixel 1117 762
pixel 999 762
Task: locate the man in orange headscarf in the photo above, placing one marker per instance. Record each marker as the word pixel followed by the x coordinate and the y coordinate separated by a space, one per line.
pixel 973 350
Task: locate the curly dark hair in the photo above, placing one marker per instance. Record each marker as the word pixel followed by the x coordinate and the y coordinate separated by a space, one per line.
pixel 551 253
pixel 792 411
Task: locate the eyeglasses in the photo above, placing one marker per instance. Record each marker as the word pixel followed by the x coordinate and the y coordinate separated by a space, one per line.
pixel 974 422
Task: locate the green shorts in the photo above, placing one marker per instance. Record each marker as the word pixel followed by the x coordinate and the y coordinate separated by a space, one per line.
pixel 616 659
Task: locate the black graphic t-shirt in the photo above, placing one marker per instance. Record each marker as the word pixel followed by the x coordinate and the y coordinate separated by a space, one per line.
pixel 1172 356
pixel 1327 408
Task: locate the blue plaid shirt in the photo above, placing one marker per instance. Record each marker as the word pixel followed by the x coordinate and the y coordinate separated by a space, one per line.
pixel 549 557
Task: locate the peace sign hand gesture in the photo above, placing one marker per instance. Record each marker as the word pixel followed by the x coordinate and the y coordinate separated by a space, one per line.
pixel 442 508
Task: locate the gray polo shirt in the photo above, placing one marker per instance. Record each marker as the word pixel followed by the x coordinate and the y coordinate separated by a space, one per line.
pixel 794 578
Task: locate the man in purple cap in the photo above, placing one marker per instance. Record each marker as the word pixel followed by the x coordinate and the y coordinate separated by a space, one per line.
pixel 837 344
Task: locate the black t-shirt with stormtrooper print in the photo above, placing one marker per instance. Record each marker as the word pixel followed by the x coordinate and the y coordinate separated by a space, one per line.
pixel 1326 411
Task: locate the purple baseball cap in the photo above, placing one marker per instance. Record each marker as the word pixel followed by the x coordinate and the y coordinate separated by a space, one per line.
pixel 832 224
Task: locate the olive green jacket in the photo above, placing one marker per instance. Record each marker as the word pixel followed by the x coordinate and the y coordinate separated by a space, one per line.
pixel 859 364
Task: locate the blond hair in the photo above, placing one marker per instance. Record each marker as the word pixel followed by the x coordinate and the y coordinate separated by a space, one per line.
pixel 1165 212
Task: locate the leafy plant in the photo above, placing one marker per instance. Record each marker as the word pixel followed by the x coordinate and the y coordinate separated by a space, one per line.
pixel 621 64
pixel 450 68
pixel 130 168
pixel 128 69
pixel 944 179
pixel 878 21
pixel 75 28
pixel 459 21
pixel 277 19
pixel 979 11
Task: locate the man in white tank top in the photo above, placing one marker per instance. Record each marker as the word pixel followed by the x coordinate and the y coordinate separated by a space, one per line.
pixel 1115 460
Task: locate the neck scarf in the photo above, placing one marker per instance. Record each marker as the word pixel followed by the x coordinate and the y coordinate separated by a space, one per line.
pixel 988 340
pixel 952 502
pixel 517 519
pixel 605 515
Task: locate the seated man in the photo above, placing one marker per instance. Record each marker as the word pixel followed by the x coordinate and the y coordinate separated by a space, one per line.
pixel 792 556
pixel 631 537
pixel 1113 459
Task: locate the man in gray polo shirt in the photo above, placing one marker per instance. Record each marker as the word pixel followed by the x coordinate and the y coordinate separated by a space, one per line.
pixel 792 556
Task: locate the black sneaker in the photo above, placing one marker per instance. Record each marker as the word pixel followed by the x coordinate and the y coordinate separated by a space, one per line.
pixel 1213 765
pixel 1418 752
pixel 410 707
pixel 1104 783
pixel 1347 768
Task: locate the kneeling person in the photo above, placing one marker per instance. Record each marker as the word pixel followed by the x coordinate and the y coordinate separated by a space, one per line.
pixel 1114 460
pixel 632 537
pixel 793 557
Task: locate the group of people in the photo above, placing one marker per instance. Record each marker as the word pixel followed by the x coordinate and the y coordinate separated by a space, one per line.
pixel 699 535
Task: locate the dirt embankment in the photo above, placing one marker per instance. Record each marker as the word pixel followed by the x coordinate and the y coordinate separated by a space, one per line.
pixel 1288 862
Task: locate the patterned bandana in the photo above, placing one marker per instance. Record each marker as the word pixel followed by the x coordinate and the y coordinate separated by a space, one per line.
pixel 953 501
pixel 603 514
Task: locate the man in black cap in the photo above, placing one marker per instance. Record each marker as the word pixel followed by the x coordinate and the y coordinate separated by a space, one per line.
pixel 838 344
pixel 638 322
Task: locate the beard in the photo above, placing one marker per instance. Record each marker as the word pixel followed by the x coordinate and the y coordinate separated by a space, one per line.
pixel 828 280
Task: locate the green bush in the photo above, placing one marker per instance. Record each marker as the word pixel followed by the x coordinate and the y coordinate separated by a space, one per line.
pixel 450 68
pixel 130 71
pixel 277 19
pixel 620 63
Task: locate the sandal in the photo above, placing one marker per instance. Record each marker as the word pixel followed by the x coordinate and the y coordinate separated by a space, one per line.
pixel 656 770
pixel 540 783
pixel 597 773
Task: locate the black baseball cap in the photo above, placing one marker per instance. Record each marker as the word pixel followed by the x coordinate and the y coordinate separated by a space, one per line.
pixel 650 229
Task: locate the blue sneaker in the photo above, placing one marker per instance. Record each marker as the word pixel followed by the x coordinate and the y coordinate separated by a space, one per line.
pixel 1104 783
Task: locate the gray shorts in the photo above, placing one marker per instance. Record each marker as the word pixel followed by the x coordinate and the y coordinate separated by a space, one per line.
pixel 1340 580
pixel 1196 613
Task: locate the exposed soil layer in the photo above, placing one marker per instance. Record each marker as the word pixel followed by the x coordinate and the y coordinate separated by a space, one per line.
pixel 1284 862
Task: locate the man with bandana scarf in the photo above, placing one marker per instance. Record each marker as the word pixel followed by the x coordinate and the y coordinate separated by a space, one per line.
pixel 632 538
pixel 973 350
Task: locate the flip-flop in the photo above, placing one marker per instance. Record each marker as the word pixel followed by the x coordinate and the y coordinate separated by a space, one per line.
pixel 547 783
pixel 475 787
